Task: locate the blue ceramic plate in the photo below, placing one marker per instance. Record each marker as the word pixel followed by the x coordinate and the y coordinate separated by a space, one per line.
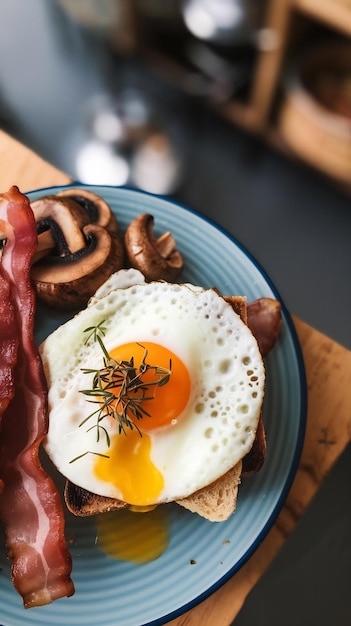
pixel 200 555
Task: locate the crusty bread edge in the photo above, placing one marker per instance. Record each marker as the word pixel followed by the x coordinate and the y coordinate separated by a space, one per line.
pixel 217 501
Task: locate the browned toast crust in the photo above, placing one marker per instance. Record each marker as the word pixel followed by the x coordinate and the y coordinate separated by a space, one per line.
pixel 82 502
pixel 217 502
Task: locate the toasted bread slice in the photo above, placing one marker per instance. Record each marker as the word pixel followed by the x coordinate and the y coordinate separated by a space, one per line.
pixel 239 305
pixel 216 502
pixel 82 502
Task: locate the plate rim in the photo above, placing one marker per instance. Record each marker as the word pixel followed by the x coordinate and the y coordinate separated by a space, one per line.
pixel 303 400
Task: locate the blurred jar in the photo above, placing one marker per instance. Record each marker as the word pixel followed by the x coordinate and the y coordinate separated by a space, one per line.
pixel 223 22
pixel 124 144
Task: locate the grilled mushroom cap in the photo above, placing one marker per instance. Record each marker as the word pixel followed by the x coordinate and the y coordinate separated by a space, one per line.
pixel 97 209
pixel 158 258
pixel 74 256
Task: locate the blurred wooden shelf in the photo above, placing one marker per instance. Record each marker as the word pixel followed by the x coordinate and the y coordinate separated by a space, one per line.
pixel 256 113
pixel 258 116
pixel 334 13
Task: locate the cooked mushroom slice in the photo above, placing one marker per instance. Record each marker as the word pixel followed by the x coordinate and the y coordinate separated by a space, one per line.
pixel 97 209
pixel 59 225
pixel 157 259
pixel 67 280
pixel 46 244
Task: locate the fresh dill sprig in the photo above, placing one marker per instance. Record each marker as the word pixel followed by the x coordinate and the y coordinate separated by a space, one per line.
pixel 80 456
pixel 119 389
pixel 95 332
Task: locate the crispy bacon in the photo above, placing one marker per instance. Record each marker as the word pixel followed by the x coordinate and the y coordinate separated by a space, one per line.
pixel 8 347
pixel 264 320
pixel 30 506
pixel 9 343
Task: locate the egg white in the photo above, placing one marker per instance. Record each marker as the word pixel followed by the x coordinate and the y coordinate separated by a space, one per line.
pixel 222 358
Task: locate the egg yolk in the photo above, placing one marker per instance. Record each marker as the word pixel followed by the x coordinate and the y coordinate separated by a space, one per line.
pixel 163 403
pixel 129 466
pixel 134 537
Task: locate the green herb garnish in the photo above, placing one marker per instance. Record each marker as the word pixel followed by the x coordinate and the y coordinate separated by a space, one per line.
pixel 119 389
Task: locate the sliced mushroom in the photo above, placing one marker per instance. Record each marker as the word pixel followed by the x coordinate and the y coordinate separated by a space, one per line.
pixel 68 282
pixel 157 259
pixel 97 209
pixel 81 258
pixel 46 244
pixel 59 226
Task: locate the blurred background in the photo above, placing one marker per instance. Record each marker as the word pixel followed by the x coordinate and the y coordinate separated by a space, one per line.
pixel 241 110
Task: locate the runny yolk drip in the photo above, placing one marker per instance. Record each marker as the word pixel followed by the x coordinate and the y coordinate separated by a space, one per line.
pixel 134 537
pixel 130 469
pixel 129 466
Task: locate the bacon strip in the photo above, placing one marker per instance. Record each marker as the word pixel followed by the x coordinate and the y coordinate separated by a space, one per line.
pixel 8 347
pixel 265 321
pixel 30 506
pixel 9 343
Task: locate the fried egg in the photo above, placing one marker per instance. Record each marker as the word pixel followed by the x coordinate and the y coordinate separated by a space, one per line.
pixel 186 432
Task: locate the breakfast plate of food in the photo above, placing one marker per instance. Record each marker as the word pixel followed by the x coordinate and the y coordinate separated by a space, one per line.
pixel 175 394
